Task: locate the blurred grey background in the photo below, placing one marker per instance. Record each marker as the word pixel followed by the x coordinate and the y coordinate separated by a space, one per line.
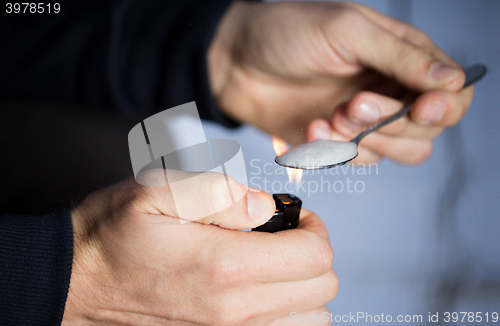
pixel 418 239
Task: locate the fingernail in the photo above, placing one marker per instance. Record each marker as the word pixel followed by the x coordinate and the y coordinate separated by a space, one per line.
pixel 321 131
pixel 366 112
pixel 443 73
pixel 349 124
pixel 433 113
pixel 261 206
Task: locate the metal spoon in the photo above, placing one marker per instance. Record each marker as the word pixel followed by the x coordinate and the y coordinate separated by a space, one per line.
pixel 323 153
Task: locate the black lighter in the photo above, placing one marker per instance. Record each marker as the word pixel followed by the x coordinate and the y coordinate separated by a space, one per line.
pixel 286 215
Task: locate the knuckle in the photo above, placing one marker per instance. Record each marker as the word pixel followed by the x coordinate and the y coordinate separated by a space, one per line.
pixel 223 273
pixel 349 12
pixel 425 42
pixel 353 23
pixel 405 56
pixel 401 30
pixel 413 59
pixel 415 36
pixel 399 127
pixel 324 256
pixel 151 177
pixel 138 194
pixel 347 16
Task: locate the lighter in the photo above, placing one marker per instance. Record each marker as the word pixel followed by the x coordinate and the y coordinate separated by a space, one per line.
pixel 286 215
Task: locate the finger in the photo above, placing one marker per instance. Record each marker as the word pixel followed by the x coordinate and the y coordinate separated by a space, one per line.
pixel 376 145
pixel 319 316
pixel 310 222
pixel 283 298
pixel 442 108
pixel 366 156
pixel 375 47
pixel 208 198
pixel 291 255
pixel 404 31
pixel 367 109
pixel 318 129
pixel 302 296
pixel 403 150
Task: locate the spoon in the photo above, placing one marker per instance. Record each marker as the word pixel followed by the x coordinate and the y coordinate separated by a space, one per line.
pixel 323 153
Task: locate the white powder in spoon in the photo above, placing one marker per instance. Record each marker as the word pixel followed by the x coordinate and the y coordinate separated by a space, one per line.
pixel 318 154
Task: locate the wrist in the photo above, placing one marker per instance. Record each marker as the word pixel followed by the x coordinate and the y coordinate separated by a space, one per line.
pixel 101 287
pixel 85 294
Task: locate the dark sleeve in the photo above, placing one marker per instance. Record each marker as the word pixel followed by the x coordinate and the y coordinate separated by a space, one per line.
pixel 36 254
pixel 134 56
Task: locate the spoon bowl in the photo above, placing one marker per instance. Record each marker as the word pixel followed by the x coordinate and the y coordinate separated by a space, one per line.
pixel 318 154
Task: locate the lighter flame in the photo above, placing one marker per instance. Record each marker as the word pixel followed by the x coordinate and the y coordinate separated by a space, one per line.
pixel 279 145
pixel 294 175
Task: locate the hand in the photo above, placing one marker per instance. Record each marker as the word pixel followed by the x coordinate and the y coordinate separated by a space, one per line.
pixel 135 264
pixel 316 70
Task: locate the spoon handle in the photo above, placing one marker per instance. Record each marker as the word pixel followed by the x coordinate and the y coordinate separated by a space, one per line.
pixel 472 74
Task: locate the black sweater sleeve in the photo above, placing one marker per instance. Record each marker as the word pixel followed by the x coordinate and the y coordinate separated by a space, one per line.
pixel 36 256
pixel 135 56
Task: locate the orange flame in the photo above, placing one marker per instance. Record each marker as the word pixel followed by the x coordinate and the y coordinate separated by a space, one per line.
pixel 279 145
pixel 294 175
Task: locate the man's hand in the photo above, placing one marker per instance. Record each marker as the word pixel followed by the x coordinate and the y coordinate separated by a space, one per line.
pixel 317 70
pixel 135 264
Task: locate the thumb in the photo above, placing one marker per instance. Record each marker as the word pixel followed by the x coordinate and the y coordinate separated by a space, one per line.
pixel 210 198
pixel 412 66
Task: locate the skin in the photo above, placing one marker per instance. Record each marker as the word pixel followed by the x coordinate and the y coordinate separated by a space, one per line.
pixel 302 71
pixel 135 264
